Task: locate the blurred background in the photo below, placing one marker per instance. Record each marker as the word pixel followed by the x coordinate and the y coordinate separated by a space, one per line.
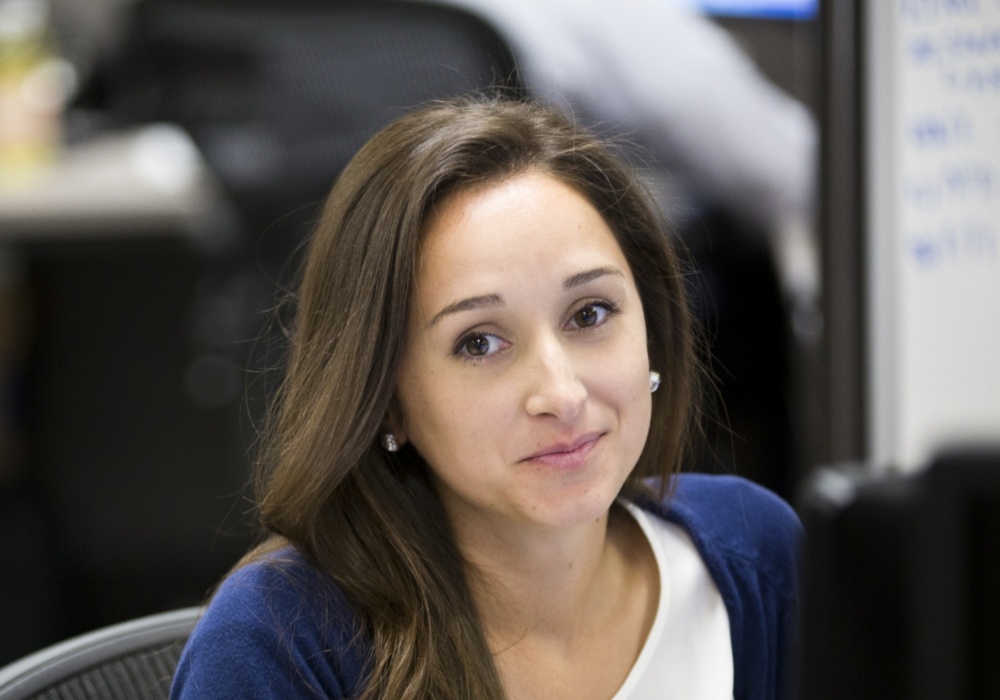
pixel 160 166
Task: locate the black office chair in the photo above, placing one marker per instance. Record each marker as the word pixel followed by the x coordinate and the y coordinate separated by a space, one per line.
pixel 134 660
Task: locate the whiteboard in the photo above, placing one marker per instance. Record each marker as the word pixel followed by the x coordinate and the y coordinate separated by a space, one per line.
pixel 932 129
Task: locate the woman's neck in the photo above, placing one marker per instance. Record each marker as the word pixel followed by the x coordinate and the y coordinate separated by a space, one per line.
pixel 552 585
pixel 566 615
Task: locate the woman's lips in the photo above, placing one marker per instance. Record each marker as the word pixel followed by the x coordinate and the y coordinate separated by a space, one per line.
pixel 565 455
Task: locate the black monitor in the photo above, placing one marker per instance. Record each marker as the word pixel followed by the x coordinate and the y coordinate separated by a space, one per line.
pixel 901 582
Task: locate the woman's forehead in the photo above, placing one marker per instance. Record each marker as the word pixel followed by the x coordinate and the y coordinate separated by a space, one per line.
pixel 516 230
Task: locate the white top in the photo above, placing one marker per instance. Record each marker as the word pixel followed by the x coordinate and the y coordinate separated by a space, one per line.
pixel 688 654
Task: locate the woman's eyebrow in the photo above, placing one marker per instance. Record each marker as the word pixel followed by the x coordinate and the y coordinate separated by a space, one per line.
pixel 486 301
pixel 493 301
pixel 581 278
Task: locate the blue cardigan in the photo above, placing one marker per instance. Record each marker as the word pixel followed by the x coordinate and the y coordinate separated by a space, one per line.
pixel 286 631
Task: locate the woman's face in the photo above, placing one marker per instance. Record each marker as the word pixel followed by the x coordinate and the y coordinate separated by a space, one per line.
pixel 524 382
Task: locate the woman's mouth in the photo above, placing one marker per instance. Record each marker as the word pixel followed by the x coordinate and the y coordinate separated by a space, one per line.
pixel 565 455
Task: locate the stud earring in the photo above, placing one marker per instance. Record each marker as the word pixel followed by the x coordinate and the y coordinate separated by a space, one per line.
pixel 389 442
pixel 654 382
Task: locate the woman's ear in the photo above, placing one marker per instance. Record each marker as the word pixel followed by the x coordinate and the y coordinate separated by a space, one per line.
pixel 394 423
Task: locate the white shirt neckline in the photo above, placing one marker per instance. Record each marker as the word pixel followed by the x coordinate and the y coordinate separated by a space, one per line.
pixel 688 651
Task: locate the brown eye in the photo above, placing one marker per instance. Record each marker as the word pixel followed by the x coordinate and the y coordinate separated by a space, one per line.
pixel 591 315
pixel 587 316
pixel 480 346
pixel 477 345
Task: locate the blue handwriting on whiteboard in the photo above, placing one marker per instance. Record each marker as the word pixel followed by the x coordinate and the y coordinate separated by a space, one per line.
pixel 923 49
pixel 954 47
pixel 935 130
pixel 972 243
pixel 969 180
pixel 931 10
pixel 973 44
pixel 974 79
pixel 953 184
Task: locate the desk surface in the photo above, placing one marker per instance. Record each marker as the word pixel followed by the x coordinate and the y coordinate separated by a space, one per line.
pixel 130 184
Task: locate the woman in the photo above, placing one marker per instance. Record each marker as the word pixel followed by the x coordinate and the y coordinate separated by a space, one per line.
pixel 491 385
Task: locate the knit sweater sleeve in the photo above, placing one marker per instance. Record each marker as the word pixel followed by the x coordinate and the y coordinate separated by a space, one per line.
pixel 276 628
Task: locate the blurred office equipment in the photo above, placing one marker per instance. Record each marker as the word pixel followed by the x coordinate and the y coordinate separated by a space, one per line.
pixel 900 562
pixel 900 578
pixel 912 257
pixel 900 567
pixel 133 660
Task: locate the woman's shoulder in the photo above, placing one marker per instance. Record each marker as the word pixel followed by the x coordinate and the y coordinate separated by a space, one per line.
pixel 716 499
pixel 276 627
pixel 732 520
pixel 748 539
pixel 282 590
pixel 280 577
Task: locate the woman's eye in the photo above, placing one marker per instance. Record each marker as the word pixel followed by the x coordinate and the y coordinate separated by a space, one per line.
pixel 590 315
pixel 478 345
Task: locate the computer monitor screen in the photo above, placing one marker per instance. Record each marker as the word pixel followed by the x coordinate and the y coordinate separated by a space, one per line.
pixel 770 9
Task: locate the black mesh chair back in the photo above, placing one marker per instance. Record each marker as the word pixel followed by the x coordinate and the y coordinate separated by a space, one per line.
pixel 134 660
pixel 279 94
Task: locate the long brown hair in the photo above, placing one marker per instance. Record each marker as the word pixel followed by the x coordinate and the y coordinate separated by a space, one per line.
pixel 369 518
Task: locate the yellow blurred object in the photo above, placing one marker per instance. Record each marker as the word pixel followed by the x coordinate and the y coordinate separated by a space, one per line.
pixel 33 88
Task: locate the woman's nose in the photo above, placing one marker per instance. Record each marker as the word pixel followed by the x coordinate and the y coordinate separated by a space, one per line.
pixel 553 387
